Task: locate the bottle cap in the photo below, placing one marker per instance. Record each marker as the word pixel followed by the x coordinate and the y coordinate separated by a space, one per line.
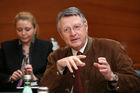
pixel 52 39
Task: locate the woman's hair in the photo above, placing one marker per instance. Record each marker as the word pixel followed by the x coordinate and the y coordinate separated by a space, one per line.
pixel 26 16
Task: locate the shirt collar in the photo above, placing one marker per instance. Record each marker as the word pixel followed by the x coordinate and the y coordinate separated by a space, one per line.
pixel 74 52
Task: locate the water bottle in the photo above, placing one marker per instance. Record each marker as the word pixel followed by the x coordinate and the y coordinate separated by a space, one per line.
pixel 27 84
pixel 55 44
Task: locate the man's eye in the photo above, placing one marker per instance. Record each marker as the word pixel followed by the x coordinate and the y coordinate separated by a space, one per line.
pixel 66 29
pixel 76 27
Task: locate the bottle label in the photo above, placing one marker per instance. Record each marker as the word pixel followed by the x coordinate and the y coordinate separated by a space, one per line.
pixel 27 83
pixel 27 89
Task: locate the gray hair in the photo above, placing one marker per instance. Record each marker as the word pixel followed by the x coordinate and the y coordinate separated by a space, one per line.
pixel 71 11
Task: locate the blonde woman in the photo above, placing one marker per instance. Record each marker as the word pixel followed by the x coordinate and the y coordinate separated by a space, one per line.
pixel 25 55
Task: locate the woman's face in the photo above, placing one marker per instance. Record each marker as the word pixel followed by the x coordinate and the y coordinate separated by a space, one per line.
pixel 25 31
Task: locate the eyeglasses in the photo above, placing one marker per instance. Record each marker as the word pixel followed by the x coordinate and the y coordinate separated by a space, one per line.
pixel 74 28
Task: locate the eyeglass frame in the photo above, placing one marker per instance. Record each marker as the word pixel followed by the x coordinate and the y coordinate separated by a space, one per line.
pixel 76 27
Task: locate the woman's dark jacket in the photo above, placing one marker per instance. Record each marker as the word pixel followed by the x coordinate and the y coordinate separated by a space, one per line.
pixel 11 59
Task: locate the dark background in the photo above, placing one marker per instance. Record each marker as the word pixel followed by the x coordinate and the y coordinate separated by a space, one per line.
pixel 114 19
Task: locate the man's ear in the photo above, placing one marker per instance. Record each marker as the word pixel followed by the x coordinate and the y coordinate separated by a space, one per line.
pixel 86 26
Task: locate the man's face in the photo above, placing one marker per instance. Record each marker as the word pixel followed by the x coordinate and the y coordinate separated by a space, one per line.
pixel 73 31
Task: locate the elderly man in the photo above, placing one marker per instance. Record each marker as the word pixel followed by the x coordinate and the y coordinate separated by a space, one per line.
pixel 102 66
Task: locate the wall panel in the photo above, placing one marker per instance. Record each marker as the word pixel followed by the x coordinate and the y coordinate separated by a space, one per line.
pixel 114 19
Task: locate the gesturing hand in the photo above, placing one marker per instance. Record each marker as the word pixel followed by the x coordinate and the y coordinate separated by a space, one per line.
pixel 70 62
pixel 104 68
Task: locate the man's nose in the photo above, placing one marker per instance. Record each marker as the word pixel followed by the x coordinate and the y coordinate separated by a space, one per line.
pixel 72 32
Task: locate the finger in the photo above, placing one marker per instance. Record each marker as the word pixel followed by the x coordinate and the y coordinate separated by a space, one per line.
pixel 102 60
pixel 28 66
pixel 79 62
pixel 69 67
pixel 81 56
pixel 102 66
pixel 19 72
pixel 95 64
pixel 17 75
pixel 103 70
pixel 14 77
pixel 61 64
pixel 73 64
pixel 29 69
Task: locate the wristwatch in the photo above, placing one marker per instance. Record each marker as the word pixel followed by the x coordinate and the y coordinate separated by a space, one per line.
pixel 113 85
pixel 116 78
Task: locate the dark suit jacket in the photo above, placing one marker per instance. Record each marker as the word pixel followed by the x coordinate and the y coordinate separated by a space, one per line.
pixel 92 80
pixel 11 59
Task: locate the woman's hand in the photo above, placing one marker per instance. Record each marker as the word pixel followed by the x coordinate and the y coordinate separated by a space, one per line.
pixel 29 70
pixel 16 76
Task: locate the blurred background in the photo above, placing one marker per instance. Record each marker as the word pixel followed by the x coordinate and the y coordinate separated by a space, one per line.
pixel 114 19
